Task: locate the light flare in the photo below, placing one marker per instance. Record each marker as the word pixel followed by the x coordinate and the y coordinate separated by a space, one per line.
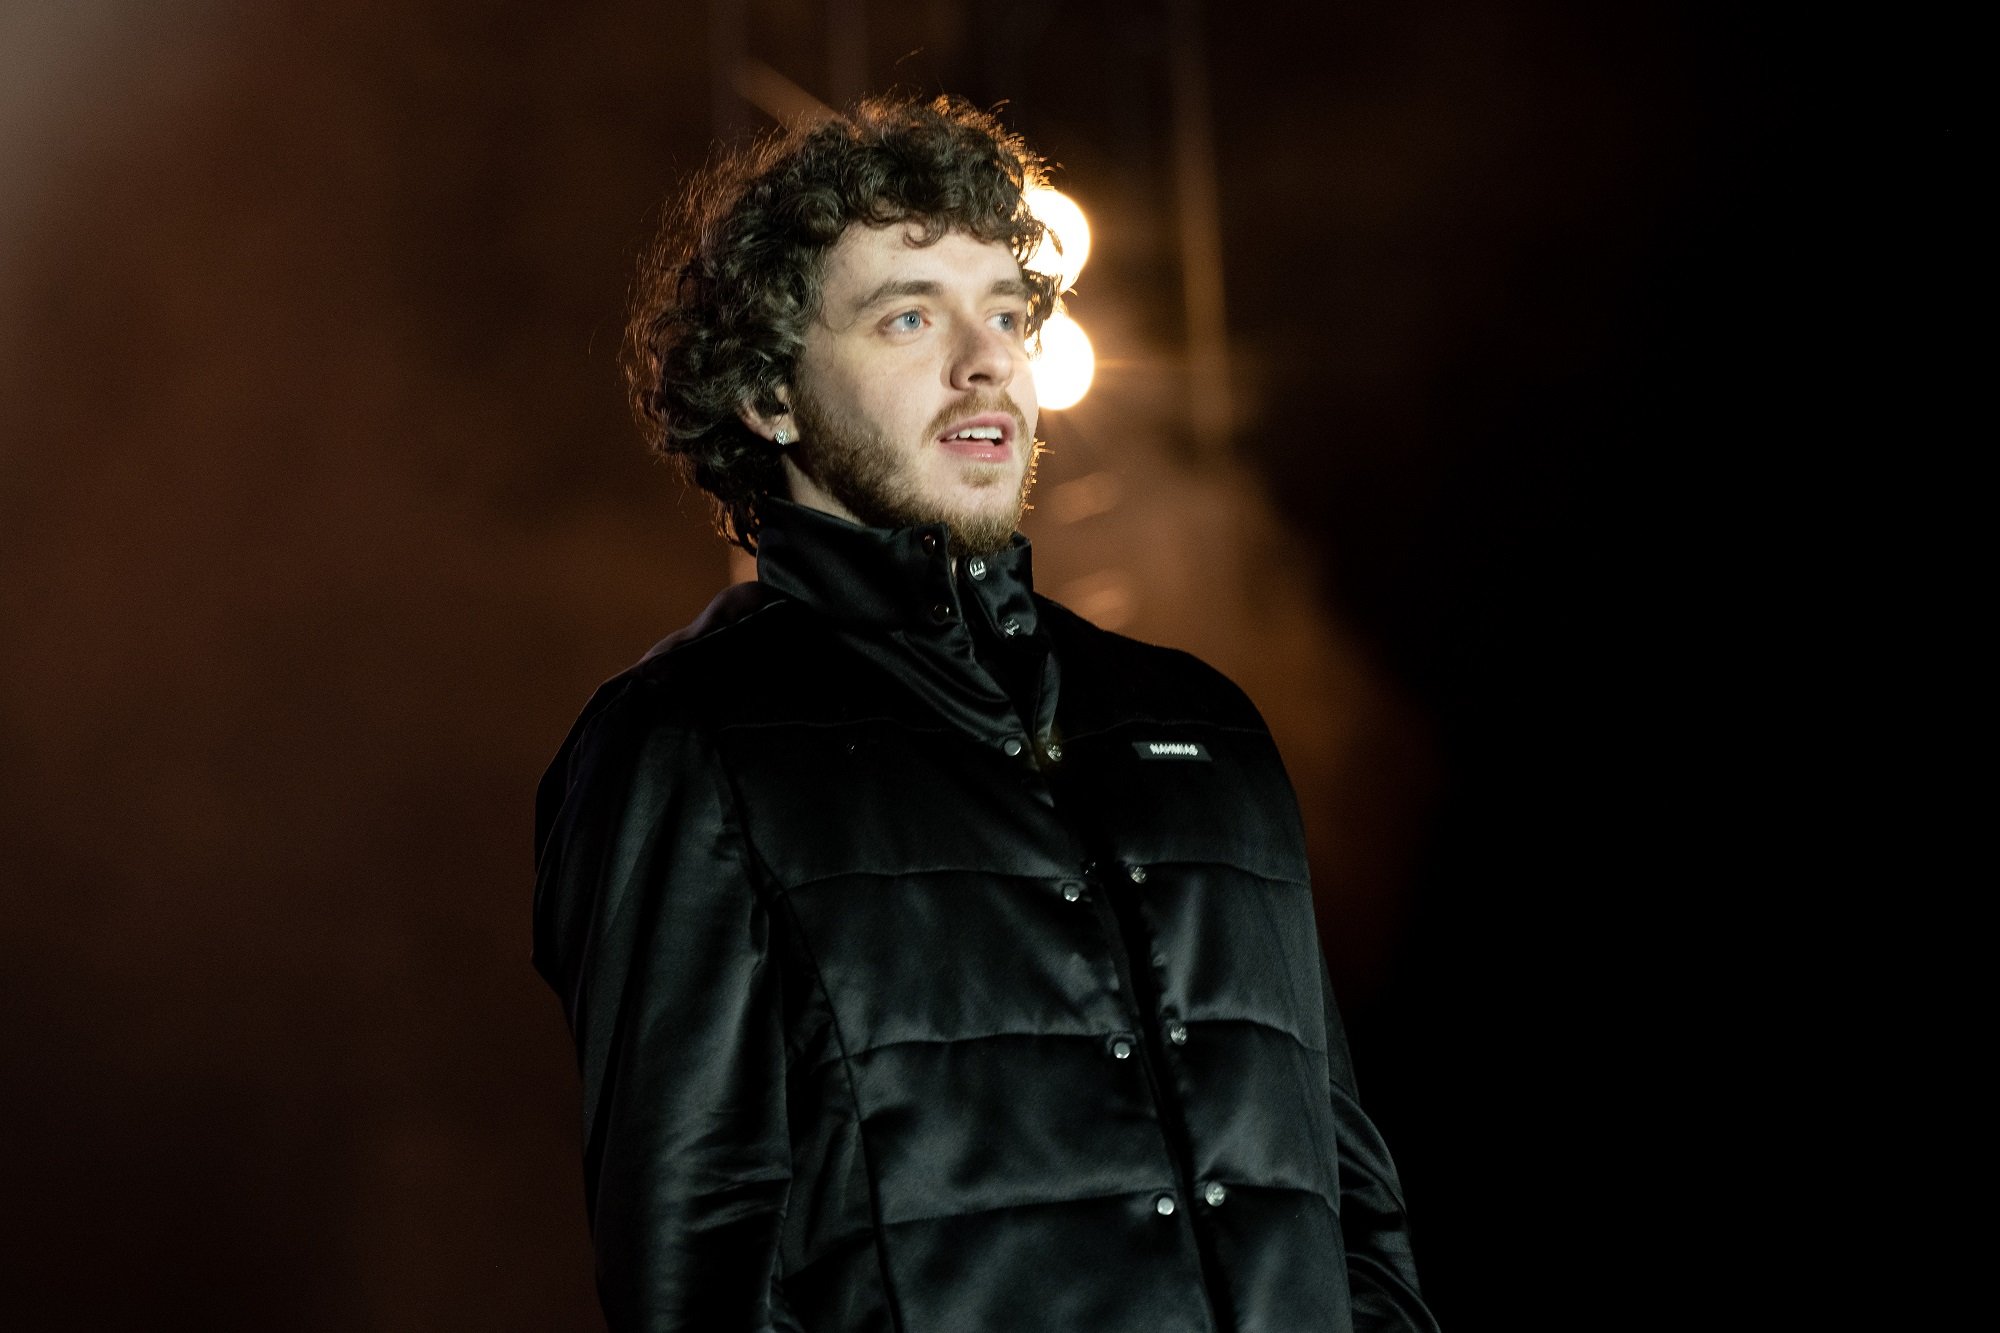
pixel 1065 246
pixel 1063 363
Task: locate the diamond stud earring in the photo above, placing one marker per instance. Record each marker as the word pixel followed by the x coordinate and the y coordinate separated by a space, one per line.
pixel 781 439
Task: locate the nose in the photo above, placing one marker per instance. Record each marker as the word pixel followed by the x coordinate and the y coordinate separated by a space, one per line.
pixel 982 359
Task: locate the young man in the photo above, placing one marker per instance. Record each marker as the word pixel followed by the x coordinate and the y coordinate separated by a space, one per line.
pixel 937 961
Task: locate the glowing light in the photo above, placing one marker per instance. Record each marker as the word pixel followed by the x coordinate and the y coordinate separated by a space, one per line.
pixel 1064 364
pixel 1066 245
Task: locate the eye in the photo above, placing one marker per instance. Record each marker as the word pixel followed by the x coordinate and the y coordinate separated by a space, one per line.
pixel 1012 321
pixel 908 322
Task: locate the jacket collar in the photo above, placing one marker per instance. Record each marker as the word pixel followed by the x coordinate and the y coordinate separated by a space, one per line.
pixel 892 578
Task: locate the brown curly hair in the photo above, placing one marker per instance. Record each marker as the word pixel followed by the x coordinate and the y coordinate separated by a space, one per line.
pixel 724 293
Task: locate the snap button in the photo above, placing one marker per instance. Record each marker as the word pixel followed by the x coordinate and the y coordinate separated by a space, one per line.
pixel 1177 1033
pixel 1012 746
pixel 1071 890
pixel 1121 1049
pixel 976 567
pixel 1054 751
pixel 1163 1204
pixel 1214 1194
pixel 930 540
pixel 1138 874
pixel 941 612
pixel 1010 627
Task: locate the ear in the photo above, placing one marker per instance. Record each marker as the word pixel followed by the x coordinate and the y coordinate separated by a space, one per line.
pixel 777 427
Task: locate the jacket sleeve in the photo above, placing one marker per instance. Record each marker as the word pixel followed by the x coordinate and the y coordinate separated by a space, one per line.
pixel 1381 1275
pixel 650 928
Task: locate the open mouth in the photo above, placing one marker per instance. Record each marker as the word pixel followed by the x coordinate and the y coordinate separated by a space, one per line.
pixel 988 437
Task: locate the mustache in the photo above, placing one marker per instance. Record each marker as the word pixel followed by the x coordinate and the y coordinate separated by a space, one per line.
pixel 978 404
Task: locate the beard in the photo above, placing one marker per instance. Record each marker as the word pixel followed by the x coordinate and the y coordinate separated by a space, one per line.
pixel 857 465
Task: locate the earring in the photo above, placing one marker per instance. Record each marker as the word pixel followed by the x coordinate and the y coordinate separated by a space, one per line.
pixel 781 439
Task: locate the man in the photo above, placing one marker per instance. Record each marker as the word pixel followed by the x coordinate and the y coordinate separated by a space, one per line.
pixel 937 961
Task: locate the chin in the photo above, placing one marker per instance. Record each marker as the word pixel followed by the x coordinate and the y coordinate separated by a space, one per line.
pixel 982 529
pixel 982 505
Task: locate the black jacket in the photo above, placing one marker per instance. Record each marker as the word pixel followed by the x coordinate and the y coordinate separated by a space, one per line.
pixel 940 962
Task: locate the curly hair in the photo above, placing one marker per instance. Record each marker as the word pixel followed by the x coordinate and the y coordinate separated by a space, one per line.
pixel 725 292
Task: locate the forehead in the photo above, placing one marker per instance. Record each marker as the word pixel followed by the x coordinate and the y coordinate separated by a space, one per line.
pixel 866 257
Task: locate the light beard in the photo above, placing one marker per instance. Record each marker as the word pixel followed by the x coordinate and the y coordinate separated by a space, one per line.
pixel 856 464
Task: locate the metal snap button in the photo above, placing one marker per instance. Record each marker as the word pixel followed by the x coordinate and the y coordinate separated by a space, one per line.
pixel 1214 1194
pixel 1163 1204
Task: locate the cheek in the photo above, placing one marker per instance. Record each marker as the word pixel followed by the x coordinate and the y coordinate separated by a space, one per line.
pixel 1023 391
pixel 901 410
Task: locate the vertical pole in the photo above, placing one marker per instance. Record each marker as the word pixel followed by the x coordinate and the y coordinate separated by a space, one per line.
pixel 1201 233
pixel 728 39
pixel 846 51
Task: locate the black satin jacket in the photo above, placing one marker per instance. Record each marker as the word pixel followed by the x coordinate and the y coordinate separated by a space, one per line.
pixel 939 962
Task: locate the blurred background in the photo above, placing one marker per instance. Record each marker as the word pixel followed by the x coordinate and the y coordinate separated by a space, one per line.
pixel 321 514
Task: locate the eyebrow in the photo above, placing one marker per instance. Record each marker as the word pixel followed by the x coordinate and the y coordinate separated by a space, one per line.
pixel 900 287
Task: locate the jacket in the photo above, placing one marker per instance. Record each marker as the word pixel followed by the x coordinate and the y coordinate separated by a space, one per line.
pixel 941 963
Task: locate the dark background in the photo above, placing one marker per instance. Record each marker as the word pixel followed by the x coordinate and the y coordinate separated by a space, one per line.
pixel 320 515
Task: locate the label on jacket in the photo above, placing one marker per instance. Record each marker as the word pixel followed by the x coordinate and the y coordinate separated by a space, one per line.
pixel 1171 750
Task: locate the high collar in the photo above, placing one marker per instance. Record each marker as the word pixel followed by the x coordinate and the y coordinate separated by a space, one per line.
pixel 892 578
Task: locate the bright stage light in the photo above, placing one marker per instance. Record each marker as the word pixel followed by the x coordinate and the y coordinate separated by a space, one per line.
pixel 1064 364
pixel 1066 245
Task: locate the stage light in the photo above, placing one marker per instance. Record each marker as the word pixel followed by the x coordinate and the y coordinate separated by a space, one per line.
pixel 1063 364
pixel 1066 245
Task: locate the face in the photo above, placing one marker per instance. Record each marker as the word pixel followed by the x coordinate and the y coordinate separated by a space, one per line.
pixel 913 398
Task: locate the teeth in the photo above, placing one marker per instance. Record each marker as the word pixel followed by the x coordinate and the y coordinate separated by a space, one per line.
pixel 978 433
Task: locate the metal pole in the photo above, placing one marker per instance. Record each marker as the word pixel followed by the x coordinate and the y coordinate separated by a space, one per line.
pixel 728 37
pixel 846 50
pixel 1201 233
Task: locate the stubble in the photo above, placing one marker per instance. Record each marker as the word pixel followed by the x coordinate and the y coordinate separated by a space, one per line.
pixel 860 468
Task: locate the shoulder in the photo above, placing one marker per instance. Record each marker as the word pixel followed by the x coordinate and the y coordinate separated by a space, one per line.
pixel 1108 675
pixel 738 649
pixel 723 664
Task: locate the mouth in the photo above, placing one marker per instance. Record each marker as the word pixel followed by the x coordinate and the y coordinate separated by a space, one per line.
pixel 986 438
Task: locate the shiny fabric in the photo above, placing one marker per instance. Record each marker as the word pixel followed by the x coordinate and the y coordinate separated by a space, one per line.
pixel 939 962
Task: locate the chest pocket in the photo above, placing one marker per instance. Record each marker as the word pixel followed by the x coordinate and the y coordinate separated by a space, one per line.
pixel 1194 794
pixel 885 799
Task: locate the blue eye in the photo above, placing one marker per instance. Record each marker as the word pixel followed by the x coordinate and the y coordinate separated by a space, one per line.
pixel 909 321
pixel 1010 322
